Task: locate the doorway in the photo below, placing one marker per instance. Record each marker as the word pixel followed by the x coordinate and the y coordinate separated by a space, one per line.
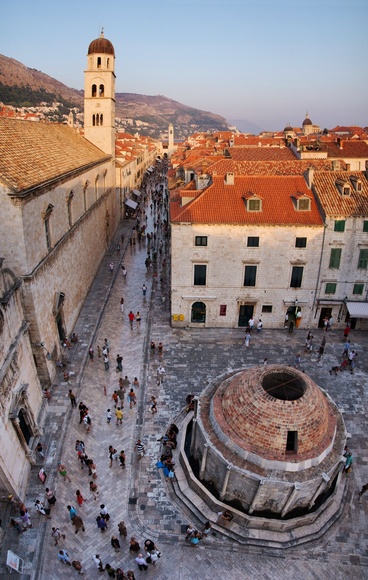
pixel 245 313
pixel 325 313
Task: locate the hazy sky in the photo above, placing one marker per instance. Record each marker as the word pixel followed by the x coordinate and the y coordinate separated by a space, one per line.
pixel 268 61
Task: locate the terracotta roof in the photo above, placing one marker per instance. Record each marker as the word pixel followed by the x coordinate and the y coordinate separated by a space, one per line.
pixel 35 153
pixel 261 153
pixel 290 167
pixel 224 204
pixel 334 204
pixel 351 148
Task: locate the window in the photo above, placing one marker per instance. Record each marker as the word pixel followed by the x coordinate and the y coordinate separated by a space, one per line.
pixel 47 232
pixel 335 258
pixel 254 205
pixel 301 242
pixel 101 91
pixel 267 308
pixel 346 190
pixel 363 259
pixel 339 226
pixel 330 288
pixel 250 275
pixel 201 241
pixel 69 207
pixel 223 310
pixel 94 90
pixel 200 271
pixel 253 242
pixel 99 62
pixel 296 277
pixel 365 226
pixel 358 288
pixel 292 442
pixel 304 204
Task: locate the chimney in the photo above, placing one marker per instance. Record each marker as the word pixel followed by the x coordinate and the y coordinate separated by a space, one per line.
pixel 348 167
pixel 229 178
pixel 340 142
pixel 309 177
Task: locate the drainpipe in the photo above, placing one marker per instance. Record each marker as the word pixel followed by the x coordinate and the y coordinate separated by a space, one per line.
pixel 226 481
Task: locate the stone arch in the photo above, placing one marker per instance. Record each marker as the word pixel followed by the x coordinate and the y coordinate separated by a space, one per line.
pixel 198 312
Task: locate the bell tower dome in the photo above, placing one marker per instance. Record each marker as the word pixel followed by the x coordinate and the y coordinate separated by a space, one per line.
pixel 99 95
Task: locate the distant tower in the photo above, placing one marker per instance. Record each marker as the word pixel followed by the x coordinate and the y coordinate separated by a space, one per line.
pixel 99 95
pixel 171 138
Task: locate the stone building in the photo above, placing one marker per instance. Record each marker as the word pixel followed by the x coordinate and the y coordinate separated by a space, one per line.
pixel 21 398
pixel 242 247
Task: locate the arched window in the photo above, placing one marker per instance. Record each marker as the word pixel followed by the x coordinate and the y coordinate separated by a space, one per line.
pixel 46 220
pixel 94 90
pixel 101 91
pixel 198 312
pixel 98 62
pixel 101 119
pixel 93 120
pixel 96 186
pixel 97 120
pixel 108 63
pixel 85 198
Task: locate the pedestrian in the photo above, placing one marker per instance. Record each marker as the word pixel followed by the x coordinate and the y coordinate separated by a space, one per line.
pixel 197 536
pixel 63 472
pixel 78 567
pixel 101 523
pixel 124 272
pixel 259 325
pixel 108 416
pixel 122 305
pixel 321 350
pixel 132 398
pixel 297 360
pixel 51 499
pixel 73 400
pixel 64 557
pixel 140 450
pixel 115 398
pixel 119 416
pixel 93 469
pixel 131 319
pixel 25 519
pixel 119 363
pixel 160 349
pixel 106 362
pixel 78 523
pixel 115 544
pixel 87 420
pixel 138 319
pixel 286 321
pixel 130 575
pixel 107 345
pixel 122 529
pixel 325 324
pixel 206 529
pixel 251 324
pixel 82 411
pixel 103 511
pixel 351 360
pixel 93 489
pixel 135 383
pixel 346 330
pixel 99 352
pixel 144 290
pixel 141 562
pixel 152 347
pixel 80 498
pixel 91 353
pixel 16 525
pixel 112 455
pixel 72 511
pixel 247 339
pixel 363 490
pixel 110 571
pixel 111 267
pixel 39 449
pixel 122 459
pixel 346 350
pixel 98 562
pixel 153 405
pixel 291 326
pixel 120 574
pixel 57 535
pixel 160 374
pixel 348 462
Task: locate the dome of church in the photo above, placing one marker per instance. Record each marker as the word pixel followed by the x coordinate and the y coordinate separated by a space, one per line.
pixel 101 46
pixel 288 128
pixel 307 121
pixel 276 413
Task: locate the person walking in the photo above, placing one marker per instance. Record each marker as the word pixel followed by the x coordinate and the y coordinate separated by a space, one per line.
pixel 63 472
pixel 51 499
pixel 72 511
pixel 132 398
pixel 115 544
pixel 124 272
pixel 78 523
pixel 25 519
pixel 39 449
pixel 122 529
pixel 144 290
pixel 111 267
pixel 142 565
pixel 247 339
pixel 122 305
pixel 346 350
pixel 119 363
pixel 41 509
pixel 131 319
pixel 64 557
pixel 140 450
pixel 106 362
pixel 57 535
pixel 80 498
pixel 112 455
pixel 297 360
pixel 93 489
pixel 122 459
pixel 119 416
pixel 363 490
pixel 259 325
pixel 98 562
pixel 348 462
pixel 138 319
pixel 251 324
pixel 153 405
pixel 72 397
pixel 160 374
pixel 91 353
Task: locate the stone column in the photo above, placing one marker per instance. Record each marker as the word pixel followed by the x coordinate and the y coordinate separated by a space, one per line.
pixel 321 487
pixel 16 424
pixel 251 507
pixel 192 441
pixel 226 481
pixel 289 502
pixel 204 461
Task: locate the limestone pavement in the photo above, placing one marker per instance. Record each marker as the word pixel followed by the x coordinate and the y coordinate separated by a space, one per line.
pixel 139 495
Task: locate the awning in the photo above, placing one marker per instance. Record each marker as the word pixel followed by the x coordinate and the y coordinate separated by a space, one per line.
pixel 130 203
pixel 358 309
pixel 136 192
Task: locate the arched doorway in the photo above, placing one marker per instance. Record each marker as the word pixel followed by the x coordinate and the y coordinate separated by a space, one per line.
pixel 198 312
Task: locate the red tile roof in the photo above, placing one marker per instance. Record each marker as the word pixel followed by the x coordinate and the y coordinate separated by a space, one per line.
pixel 290 167
pixel 333 202
pixel 261 153
pixel 224 204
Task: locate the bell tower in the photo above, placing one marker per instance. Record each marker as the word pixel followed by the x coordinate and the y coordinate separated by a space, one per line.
pixel 171 138
pixel 99 95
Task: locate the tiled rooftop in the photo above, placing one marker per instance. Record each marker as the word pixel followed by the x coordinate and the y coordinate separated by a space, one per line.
pixel 333 202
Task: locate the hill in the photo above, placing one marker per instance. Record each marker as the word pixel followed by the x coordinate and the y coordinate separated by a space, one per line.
pixel 21 86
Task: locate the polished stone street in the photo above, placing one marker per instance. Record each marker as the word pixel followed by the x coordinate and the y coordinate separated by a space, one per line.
pixel 139 494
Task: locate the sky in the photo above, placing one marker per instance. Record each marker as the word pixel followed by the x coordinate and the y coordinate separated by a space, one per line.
pixel 265 61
